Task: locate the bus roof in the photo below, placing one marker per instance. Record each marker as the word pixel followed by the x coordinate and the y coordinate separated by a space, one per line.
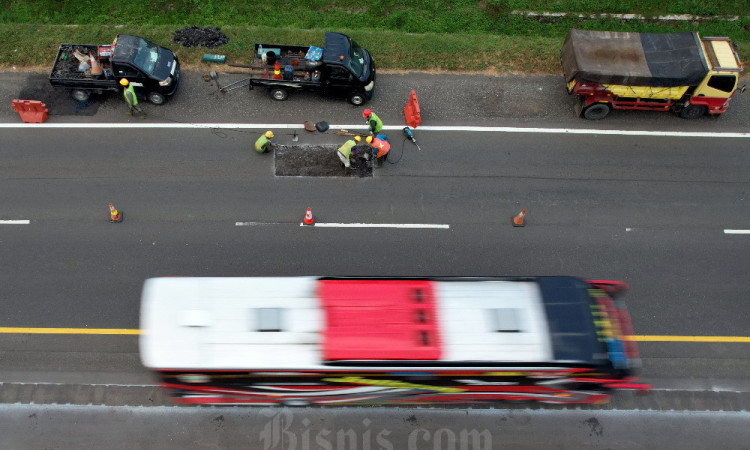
pixel 308 322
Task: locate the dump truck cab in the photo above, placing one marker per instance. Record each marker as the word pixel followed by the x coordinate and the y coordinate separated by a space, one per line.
pixel 720 84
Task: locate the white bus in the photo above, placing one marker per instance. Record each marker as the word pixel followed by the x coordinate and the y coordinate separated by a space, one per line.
pixel 318 340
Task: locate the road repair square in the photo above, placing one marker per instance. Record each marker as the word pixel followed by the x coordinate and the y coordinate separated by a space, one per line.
pixel 316 161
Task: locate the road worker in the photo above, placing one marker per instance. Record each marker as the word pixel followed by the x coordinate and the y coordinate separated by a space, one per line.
pixel 380 147
pixel 364 149
pixel 264 144
pixel 345 151
pixel 373 121
pixel 129 93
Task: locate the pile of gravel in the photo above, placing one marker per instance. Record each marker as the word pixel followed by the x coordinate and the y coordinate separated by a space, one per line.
pixel 196 36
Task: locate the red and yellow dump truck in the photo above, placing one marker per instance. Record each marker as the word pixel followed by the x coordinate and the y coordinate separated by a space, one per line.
pixel 679 72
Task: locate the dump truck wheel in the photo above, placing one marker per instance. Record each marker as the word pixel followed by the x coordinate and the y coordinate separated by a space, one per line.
pixel 80 95
pixel 693 111
pixel 279 94
pixel 357 98
pixel 597 111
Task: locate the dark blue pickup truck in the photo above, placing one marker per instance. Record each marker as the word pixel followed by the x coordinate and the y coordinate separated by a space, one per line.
pixel 152 70
pixel 340 68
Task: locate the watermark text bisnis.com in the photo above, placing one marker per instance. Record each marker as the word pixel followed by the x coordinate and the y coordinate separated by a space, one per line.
pixel 283 432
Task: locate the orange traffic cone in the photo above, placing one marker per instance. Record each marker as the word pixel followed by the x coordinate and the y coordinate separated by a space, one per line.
pixel 518 220
pixel 276 72
pixel 114 215
pixel 309 218
pixel 95 68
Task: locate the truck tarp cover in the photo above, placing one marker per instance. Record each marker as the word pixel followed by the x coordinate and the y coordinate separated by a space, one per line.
pixel 633 59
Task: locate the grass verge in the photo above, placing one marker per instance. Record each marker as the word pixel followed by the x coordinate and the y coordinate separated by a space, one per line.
pixel 415 16
pixel 36 46
pixel 450 35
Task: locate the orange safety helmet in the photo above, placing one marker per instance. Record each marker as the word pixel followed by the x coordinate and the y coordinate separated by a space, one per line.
pixel 367 113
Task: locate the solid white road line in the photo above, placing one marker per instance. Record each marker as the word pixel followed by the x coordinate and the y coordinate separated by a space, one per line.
pixel 15 222
pixel 736 231
pixel 272 126
pixel 378 225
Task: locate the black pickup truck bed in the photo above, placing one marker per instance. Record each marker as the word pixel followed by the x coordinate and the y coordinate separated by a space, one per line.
pixel 65 70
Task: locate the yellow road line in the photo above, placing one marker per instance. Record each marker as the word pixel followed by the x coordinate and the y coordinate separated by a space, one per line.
pixel 24 330
pixel 131 331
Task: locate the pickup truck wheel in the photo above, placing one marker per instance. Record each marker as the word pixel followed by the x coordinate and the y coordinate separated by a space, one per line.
pixel 279 94
pixel 597 111
pixel 156 98
pixel 693 111
pixel 357 99
pixel 80 95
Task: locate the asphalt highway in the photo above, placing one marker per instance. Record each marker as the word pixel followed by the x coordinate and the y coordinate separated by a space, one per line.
pixel 365 428
pixel 649 210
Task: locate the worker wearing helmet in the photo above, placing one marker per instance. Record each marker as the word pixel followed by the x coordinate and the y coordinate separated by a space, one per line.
pixel 373 121
pixel 345 151
pixel 380 148
pixel 129 93
pixel 264 144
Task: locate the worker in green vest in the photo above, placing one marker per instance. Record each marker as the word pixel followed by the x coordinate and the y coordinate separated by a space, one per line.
pixel 373 121
pixel 130 97
pixel 345 151
pixel 264 144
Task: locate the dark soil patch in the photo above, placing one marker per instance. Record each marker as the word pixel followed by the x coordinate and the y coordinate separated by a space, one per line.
pixel 316 161
pixel 196 36
pixel 57 100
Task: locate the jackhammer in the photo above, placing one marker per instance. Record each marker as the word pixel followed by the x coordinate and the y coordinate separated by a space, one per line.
pixel 410 136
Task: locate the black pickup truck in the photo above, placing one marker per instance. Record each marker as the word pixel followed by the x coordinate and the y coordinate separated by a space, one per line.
pixel 152 70
pixel 340 68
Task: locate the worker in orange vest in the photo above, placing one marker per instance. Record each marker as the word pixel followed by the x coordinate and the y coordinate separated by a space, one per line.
pixel 380 147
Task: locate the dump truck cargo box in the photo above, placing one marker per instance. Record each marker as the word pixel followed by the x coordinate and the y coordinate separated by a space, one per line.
pixel 633 59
